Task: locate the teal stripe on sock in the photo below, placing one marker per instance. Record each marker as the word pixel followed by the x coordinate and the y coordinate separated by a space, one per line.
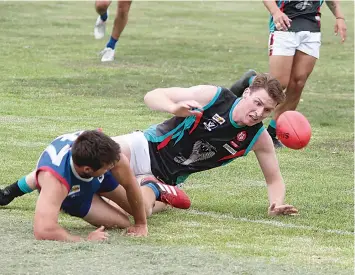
pixel 22 184
pixel 250 81
pixel 273 123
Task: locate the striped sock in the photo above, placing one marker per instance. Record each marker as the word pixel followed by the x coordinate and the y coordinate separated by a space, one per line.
pixel 250 81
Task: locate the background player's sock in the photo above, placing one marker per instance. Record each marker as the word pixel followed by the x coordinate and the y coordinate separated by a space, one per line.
pixel 104 16
pixel 272 128
pixel 111 43
pixel 244 82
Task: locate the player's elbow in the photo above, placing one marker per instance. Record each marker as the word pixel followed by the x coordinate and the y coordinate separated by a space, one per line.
pixel 150 96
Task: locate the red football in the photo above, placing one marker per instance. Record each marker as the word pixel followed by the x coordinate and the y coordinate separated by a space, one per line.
pixel 293 130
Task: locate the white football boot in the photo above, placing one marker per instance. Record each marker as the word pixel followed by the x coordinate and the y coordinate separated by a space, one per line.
pixel 107 54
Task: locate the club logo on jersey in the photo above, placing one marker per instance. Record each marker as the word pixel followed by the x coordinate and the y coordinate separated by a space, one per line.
pixel 201 151
pixel 242 136
pixel 74 190
pixel 210 125
pixel 229 149
pixel 304 5
pixel 218 119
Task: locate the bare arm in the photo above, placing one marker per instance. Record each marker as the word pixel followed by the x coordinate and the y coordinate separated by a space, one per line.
pixel 265 153
pixel 281 20
pixel 334 7
pixel 48 205
pixel 271 6
pixel 180 101
pixel 124 175
pixel 340 26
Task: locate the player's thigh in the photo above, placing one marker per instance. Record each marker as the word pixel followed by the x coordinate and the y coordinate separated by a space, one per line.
pixel 302 67
pixel 102 213
pixel 123 6
pixel 280 67
pixel 282 48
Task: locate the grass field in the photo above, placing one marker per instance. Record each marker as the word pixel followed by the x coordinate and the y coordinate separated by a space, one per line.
pixel 52 82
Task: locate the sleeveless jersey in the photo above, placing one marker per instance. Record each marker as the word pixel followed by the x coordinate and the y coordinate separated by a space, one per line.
pixel 305 15
pixel 180 146
pixel 57 160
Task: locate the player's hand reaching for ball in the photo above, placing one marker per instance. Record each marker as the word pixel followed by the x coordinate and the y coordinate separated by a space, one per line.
pixel 138 230
pixel 186 108
pixel 98 235
pixel 284 209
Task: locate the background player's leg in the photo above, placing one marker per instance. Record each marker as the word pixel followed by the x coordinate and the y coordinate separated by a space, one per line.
pixel 303 65
pixel 119 25
pixel 100 25
pixel 279 67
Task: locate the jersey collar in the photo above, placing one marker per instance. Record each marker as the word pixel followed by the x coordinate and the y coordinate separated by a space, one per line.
pixel 76 173
pixel 231 113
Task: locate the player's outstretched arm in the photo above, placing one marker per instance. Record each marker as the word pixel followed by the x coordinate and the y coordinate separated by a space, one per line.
pixel 124 175
pixel 181 102
pixel 48 205
pixel 265 153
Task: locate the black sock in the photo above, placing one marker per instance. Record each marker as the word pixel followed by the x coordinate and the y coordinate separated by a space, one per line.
pixel 13 190
pixel 272 131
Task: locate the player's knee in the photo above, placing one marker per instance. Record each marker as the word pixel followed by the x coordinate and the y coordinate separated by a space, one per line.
pixel 299 81
pixel 102 6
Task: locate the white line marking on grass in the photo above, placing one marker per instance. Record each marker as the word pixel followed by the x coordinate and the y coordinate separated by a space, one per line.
pixel 273 223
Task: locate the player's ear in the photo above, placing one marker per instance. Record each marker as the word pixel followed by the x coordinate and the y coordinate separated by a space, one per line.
pixel 246 93
pixel 88 170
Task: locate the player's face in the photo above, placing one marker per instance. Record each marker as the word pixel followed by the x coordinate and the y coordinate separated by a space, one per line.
pixel 258 105
pixel 102 170
pixel 88 172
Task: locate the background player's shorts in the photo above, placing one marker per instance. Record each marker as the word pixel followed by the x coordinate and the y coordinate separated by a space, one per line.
pixel 78 204
pixel 140 158
pixel 286 43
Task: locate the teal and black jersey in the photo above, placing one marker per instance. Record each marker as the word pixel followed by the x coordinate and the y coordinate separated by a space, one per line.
pixel 179 146
pixel 305 15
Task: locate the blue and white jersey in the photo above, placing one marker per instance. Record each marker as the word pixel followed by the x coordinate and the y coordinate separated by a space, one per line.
pixel 57 159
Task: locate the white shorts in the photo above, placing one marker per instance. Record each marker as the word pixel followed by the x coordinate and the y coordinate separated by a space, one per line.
pixel 140 158
pixel 286 43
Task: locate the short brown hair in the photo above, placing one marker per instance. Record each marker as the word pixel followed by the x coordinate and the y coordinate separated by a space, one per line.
pixel 271 85
pixel 95 149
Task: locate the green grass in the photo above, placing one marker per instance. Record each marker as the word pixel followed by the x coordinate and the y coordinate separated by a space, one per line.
pixel 52 82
